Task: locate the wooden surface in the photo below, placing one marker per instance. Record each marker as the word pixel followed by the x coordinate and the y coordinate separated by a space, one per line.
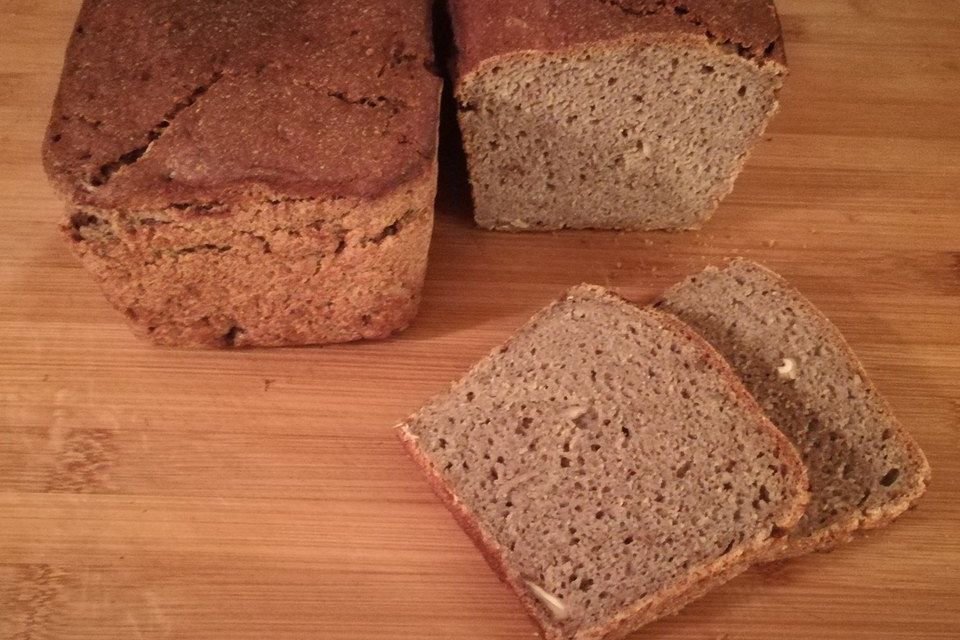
pixel 150 493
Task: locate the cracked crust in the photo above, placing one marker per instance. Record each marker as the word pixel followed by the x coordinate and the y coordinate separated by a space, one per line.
pixel 487 29
pixel 250 173
pixel 279 99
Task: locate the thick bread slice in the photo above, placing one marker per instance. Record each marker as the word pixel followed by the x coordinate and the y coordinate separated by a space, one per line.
pixel 625 114
pixel 609 465
pixel 864 468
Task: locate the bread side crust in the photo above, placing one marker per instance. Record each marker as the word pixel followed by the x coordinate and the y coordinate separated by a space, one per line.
pixel 700 579
pixel 843 530
pixel 312 272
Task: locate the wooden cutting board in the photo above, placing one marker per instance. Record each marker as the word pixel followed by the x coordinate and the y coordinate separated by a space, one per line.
pixel 154 493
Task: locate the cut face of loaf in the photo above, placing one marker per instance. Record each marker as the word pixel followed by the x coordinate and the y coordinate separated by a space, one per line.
pixel 864 468
pixel 609 466
pixel 644 125
pixel 250 173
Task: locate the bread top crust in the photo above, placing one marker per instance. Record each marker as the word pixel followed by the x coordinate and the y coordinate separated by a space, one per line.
pixel 163 102
pixel 487 29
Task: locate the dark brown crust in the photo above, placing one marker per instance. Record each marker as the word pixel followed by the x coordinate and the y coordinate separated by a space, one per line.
pixel 489 29
pixel 700 579
pixel 843 530
pixel 181 101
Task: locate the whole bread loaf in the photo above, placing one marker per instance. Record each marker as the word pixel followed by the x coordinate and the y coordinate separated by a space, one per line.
pixel 625 114
pixel 865 469
pixel 609 465
pixel 250 173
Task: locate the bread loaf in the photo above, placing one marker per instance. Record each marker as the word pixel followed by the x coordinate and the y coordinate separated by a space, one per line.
pixel 250 173
pixel 616 114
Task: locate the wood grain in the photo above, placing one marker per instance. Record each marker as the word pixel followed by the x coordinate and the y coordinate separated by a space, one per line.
pixel 152 493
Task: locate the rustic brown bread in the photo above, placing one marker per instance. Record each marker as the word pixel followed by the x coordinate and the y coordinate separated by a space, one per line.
pixel 609 465
pixel 864 468
pixel 627 114
pixel 250 173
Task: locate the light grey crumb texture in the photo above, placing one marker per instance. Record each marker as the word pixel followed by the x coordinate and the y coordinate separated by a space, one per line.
pixel 796 363
pixel 628 136
pixel 607 456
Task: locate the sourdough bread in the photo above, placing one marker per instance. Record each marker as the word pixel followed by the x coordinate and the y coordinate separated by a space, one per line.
pixel 250 173
pixel 609 466
pixel 864 468
pixel 623 114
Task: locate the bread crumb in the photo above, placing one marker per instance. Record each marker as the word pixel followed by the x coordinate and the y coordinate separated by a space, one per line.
pixel 574 412
pixel 550 601
pixel 788 370
pixel 633 159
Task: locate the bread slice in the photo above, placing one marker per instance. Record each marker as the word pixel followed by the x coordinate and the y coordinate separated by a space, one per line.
pixel 621 114
pixel 864 468
pixel 250 173
pixel 609 465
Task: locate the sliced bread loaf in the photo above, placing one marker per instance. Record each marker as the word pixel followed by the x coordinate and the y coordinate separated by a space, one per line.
pixel 609 465
pixel 864 468
pixel 627 114
pixel 250 173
